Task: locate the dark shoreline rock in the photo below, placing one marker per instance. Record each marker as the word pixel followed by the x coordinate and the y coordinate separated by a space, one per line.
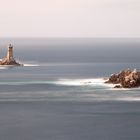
pixel 125 79
pixel 117 86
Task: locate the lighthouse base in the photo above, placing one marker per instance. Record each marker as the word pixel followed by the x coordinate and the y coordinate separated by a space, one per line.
pixel 5 61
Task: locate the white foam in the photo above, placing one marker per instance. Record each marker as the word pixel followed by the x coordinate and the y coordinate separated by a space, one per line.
pixel 81 82
pixel 65 82
pixel 129 99
pixel 118 89
pixel 30 65
pixel 98 82
pixel 2 67
pixel 94 83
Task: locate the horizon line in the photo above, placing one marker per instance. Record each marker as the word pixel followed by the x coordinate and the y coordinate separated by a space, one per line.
pixel 74 37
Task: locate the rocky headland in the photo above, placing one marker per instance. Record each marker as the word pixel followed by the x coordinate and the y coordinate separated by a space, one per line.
pixel 125 79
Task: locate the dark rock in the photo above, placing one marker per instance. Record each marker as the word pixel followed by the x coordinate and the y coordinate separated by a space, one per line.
pixel 126 79
pixel 8 62
pixel 117 86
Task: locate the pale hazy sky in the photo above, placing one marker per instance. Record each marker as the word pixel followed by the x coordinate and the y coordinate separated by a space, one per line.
pixel 70 18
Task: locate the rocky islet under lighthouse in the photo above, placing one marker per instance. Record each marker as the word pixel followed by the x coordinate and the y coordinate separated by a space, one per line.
pixel 9 58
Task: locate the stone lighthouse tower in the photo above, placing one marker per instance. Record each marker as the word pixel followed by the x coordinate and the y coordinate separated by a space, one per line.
pixel 9 59
pixel 9 55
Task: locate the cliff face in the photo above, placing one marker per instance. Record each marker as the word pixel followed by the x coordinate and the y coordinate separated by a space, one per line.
pixel 9 59
pixel 125 79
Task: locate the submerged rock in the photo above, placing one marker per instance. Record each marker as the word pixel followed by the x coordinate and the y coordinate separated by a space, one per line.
pixel 126 79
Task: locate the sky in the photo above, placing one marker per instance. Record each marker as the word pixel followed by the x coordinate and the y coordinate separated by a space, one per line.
pixel 70 18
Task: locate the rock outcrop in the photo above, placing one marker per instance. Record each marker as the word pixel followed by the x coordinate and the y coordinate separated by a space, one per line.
pixel 5 61
pixel 9 59
pixel 125 79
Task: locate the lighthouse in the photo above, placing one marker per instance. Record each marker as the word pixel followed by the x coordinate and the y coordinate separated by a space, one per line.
pixel 9 55
pixel 9 59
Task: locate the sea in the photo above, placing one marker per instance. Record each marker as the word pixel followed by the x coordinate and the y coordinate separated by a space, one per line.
pixel 60 94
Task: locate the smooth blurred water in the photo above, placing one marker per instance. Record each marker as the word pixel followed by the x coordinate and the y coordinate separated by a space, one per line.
pixel 59 93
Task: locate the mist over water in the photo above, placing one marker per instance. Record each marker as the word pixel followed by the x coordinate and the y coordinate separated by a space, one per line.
pixel 60 94
pixel 75 50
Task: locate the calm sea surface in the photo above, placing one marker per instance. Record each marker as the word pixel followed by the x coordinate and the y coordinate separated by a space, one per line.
pixel 59 93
